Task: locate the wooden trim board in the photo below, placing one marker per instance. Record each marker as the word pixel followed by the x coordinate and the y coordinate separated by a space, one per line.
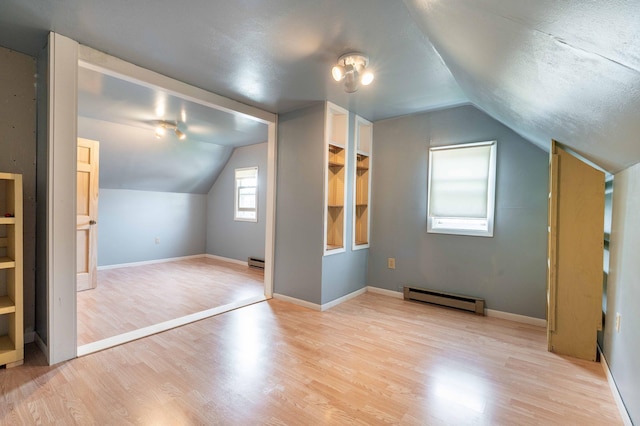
pixel 164 326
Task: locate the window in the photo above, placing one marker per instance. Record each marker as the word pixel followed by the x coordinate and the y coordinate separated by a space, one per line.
pixel 461 192
pixel 246 198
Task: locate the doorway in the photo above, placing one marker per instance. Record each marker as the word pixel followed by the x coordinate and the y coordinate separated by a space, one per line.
pixel 157 202
pixel 65 55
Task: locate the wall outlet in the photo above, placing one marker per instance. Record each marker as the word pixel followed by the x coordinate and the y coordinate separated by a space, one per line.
pixel 391 263
pixel 618 317
pixel 157 240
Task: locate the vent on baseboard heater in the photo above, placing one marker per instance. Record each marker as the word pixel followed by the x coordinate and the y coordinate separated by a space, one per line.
pixel 467 303
pixel 254 262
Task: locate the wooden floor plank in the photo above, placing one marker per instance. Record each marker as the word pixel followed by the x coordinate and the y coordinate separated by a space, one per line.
pixel 135 297
pixel 370 360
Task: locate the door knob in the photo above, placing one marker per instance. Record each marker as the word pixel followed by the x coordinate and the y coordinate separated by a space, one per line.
pixel 92 222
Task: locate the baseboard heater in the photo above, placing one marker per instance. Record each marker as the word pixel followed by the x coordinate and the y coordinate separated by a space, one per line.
pixel 467 303
pixel 254 262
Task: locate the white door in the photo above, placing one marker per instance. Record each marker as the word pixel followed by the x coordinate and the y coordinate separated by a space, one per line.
pixel 87 214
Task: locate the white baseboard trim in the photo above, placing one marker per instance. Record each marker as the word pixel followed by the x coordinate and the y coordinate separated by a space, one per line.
pixel 315 306
pixel 163 326
pixel 226 259
pixel 488 312
pixel 516 317
pixel 298 302
pixel 614 390
pixel 385 292
pixel 343 299
pixel 149 262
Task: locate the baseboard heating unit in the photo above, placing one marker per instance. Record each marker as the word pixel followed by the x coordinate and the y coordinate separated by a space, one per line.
pixel 467 303
pixel 254 262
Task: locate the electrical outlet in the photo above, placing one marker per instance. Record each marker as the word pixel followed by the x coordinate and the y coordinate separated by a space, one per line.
pixel 618 317
pixel 391 263
pixel 157 240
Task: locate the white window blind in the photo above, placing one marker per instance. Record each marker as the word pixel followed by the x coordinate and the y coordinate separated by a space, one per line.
pixel 246 194
pixel 461 189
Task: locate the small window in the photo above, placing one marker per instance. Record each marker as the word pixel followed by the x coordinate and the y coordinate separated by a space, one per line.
pixel 461 191
pixel 246 198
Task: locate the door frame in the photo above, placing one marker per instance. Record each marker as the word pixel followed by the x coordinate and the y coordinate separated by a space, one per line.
pixel 65 56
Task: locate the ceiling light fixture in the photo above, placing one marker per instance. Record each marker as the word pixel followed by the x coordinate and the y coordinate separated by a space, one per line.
pixel 351 68
pixel 163 126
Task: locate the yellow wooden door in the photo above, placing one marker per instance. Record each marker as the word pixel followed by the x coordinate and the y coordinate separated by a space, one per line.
pixel 87 214
pixel 576 244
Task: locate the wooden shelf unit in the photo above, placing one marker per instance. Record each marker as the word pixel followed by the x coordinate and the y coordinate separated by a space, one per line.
pixel 362 183
pixel 336 139
pixel 11 270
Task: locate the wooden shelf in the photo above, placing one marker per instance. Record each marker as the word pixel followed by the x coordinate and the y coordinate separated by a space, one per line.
pixel 11 343
pixel 7 262
pixel 362 182
pixel 336 137
pixel 7 348
pixel 6 305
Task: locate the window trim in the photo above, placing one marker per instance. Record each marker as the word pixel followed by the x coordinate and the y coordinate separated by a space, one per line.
pixel 475 226
pixel 236 206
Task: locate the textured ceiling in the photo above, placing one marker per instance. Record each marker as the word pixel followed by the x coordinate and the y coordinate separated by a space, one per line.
pixel 123 116
pixel 565 70
pixel 275 54
pixel 547 69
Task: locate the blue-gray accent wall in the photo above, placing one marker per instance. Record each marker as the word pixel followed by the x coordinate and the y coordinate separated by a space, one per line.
pixel 299 205
pixel 621 348
pixel 508 270
pixel 301 270
pixel 227 237
pixel 129 222
pixel 344 273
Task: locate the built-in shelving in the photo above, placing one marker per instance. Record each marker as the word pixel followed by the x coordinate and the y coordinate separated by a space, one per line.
pixel 11 270
pixel 362 183
pixel 336 139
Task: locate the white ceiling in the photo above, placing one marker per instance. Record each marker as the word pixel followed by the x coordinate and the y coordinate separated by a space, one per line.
pixel 567 70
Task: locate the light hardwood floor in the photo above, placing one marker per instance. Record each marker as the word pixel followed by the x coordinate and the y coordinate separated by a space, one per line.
pixel 134 297
pixel 371 360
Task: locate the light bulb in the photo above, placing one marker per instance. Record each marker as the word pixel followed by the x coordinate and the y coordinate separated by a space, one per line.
pixel 337 72
pixel 180 135
pixel 367 78
pixel 160 132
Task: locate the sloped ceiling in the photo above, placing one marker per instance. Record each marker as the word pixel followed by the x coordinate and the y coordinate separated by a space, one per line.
pixel 547 69
pixel 123 116
pixel 565 70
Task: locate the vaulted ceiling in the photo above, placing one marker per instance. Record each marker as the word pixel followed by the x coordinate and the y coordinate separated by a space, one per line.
pixel 566 70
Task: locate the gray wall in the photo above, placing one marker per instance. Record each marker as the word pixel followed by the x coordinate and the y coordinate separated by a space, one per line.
pixel 508 270
pixel 621 348
pixel 129 222
pixel 301 271
pixel 344 273
pixel 18 153
pixel 225 236
pixel 299 205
